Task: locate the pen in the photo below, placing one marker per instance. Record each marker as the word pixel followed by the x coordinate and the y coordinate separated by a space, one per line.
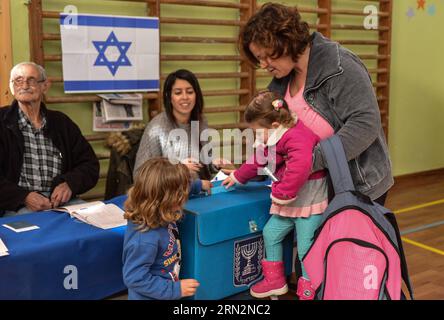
pixel 270 174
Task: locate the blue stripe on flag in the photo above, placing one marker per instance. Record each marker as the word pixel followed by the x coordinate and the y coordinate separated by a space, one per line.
pixel 111 85
pixel 99 21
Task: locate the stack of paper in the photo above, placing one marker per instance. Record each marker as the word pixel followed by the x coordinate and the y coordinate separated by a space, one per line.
pixel 122 98
pixel 122 107
pixel 3 249
pixel 220 176
pixel 117 111
pixel 100 124
pixel 97 213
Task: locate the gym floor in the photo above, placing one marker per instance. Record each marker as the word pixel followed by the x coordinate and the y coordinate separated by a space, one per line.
pixel 418 203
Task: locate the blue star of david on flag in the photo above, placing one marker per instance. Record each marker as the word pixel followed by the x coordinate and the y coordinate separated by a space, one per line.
pixel 110 53
pixel 102 59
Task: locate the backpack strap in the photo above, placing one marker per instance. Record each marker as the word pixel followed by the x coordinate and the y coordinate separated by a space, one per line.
pixel 339 171
pixel 337 163
pixel 404 270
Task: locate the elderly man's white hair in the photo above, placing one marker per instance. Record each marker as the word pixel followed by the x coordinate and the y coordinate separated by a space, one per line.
pixel 16 68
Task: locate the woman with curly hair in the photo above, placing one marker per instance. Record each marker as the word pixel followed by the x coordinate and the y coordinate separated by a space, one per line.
pixel 328 88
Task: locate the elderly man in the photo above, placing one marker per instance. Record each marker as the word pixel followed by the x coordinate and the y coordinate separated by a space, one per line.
pixel 44 159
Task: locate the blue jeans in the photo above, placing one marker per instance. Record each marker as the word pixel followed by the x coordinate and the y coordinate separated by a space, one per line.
pixel 278 227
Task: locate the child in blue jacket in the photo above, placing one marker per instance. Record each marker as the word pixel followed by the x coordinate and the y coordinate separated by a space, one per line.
pixel 151 248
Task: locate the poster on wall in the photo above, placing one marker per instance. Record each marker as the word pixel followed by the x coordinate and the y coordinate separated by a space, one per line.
pixel 102 53
pixel 421 7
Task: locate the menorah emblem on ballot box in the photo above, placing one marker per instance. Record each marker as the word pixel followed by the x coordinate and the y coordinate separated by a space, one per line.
pixel 247 266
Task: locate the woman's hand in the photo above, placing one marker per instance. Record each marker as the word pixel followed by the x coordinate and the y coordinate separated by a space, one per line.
pixel 222 163
pixel 206 186
pixel 192 164
pixel 228 182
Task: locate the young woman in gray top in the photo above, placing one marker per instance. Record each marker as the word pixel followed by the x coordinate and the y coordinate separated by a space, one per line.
pixel 183 103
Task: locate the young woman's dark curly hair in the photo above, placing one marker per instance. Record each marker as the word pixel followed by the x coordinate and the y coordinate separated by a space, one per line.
pixel 277 27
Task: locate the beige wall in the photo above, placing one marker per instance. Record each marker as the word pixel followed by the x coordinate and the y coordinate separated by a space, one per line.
pixel 416 134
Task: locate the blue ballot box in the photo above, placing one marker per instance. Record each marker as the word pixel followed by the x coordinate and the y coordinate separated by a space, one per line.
pixel 222 243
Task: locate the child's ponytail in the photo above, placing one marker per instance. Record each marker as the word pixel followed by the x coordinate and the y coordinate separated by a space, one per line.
pixel 268 107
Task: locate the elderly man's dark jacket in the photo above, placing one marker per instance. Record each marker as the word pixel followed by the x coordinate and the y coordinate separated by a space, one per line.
pixel 80 167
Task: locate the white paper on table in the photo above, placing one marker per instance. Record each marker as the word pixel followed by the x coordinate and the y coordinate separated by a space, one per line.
pixel 106 216
pixel 220 176
pixel 3 249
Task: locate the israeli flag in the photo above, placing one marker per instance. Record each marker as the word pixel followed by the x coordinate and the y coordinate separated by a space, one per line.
pixel 109 53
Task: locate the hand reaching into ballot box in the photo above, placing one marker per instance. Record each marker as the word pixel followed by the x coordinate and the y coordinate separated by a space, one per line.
pixel 188 287
pixel 206 186
pixel 228 182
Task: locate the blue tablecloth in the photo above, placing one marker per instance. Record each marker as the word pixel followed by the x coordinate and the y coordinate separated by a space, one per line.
pixel 38 259
pixel 41 261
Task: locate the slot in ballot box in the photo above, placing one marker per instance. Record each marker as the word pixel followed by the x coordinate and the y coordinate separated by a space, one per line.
pixel 222 244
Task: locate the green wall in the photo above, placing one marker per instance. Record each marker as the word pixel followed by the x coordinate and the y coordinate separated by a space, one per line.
pixel 416 97
pixel 19 27
pixel 416 128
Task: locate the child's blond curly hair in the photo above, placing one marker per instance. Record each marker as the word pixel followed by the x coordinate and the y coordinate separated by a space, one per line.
pixel 159 192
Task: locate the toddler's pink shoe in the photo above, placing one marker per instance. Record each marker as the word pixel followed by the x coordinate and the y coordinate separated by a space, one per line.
pixel 274 282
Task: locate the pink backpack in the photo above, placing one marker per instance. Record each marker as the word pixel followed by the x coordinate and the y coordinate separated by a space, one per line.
pixel 355 253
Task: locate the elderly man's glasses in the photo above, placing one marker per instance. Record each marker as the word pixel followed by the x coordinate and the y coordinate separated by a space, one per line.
pixel 32 82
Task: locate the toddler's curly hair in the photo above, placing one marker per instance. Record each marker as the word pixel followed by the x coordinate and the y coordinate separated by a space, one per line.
pixel 160 191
